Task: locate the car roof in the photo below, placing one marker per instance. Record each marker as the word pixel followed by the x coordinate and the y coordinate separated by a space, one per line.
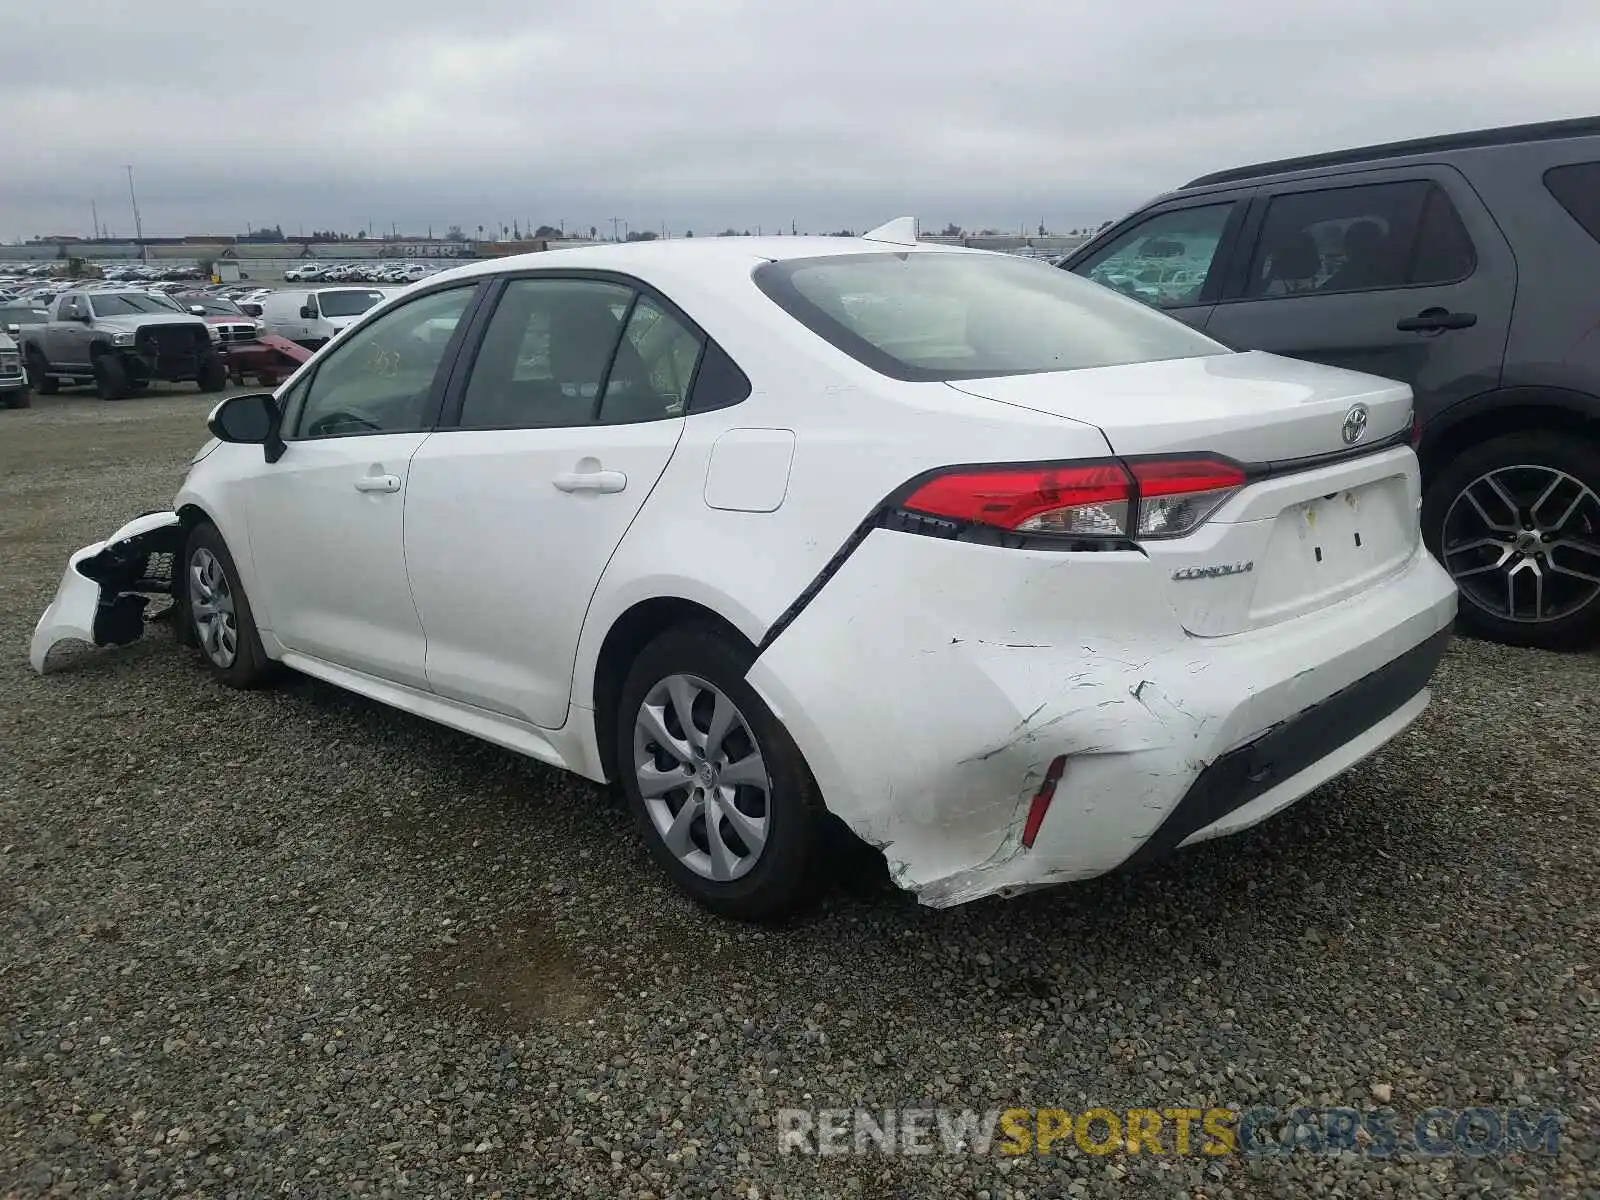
pixel 1476 139
pixel 673 256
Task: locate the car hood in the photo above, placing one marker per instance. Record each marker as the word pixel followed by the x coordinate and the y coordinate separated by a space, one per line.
pixel 140 320
pixel 6 341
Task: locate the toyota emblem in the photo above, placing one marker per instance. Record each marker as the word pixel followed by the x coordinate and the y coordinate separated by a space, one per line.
pixel 1355 425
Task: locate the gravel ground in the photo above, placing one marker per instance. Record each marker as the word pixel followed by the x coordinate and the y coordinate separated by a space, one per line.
pixel 291 942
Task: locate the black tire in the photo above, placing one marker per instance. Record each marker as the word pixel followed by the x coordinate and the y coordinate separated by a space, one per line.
pixel 1541 451
pixel 249 665
pixel 38 373
pixel 213 374
pixel 785 874
pixel 110 377
pixel 18 399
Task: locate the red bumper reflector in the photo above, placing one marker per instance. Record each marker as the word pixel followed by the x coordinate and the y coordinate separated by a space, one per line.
pixel 1041 800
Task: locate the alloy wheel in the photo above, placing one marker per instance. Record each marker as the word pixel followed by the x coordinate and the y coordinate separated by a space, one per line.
pixel 211 605
pixel 1523 543
pixel 701 777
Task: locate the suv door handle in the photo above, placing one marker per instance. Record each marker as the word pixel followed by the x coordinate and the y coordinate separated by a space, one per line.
pixel 378 483
pixel 1431 320
pixel 590 481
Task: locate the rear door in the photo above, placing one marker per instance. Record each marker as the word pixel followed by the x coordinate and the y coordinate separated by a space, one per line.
pixel 1169 256
pixel 564 420
pixel 1399 272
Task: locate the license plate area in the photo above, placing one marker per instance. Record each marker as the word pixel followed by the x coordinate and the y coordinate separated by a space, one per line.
pixel 1333 545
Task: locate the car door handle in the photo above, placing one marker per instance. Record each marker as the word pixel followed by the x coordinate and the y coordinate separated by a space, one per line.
pixel 378 483
pixel 1430 320
pixel 590 481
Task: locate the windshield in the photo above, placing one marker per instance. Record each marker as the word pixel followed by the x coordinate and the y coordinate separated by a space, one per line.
pixel 934 316
pixel 129 304
pixel 213 306
pixel 346 304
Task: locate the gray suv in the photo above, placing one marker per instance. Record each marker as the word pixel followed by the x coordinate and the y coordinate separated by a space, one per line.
pixel 1466 266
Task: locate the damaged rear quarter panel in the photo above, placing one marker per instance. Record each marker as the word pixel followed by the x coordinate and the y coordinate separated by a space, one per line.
pixel 931 713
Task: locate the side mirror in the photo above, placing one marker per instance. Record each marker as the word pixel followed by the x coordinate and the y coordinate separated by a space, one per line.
pixel 198 310
pixel 250 420
pixel 307 312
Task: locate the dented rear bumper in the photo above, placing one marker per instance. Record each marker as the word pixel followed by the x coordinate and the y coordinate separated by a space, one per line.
pixel 106 586
pixel 965 690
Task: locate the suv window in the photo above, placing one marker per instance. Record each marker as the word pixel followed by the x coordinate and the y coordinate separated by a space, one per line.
pixel 546 354
pixel 1362 238
pixel 1163 261
pixel 379 379
pixel 1576 188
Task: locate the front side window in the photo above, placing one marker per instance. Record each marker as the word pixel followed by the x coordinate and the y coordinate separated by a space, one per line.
pixel 1163 261
pixel 1357 239
pixel 546 354
pixel 936 315
pixel 379 379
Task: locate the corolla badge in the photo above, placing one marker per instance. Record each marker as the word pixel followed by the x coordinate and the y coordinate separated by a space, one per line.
pixel 1215 571
pixel 1355 424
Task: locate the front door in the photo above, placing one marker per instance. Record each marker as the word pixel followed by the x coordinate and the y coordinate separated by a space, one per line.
pixel 327 519
pixel 572 411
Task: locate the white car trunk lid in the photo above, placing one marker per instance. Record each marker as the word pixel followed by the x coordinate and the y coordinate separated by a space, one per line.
pixel 1254 407
pixel 1298 537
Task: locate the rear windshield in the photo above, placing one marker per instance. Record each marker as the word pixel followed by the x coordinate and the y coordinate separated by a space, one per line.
pixel 934 316
pixel 346 304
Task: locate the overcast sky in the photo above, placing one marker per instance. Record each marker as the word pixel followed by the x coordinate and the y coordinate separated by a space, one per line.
pixel 702 114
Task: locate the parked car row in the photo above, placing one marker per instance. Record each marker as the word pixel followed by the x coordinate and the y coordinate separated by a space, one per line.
pixel 360 272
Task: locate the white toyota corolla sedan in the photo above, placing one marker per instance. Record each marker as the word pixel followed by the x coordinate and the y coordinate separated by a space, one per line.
pixel 1020 579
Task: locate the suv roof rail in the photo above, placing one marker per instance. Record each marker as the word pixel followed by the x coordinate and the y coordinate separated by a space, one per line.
pixel 1473 139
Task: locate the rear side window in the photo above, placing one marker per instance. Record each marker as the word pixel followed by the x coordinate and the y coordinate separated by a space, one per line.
pixel 1357 239
pixel 1577 189
pixel 930 315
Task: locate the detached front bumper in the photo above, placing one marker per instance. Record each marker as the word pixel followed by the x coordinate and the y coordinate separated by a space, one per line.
pixel 106 586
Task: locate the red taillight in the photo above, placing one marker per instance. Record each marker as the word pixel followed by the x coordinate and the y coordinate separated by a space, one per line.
pixel 1089 500
pixel 1177 494
pixel 1106 499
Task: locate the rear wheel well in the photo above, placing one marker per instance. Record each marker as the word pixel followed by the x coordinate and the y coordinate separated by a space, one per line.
pixel 631 633
pixel 1533 415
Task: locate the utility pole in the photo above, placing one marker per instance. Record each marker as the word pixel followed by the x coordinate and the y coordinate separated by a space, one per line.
pixel 95 210
pixel 138 222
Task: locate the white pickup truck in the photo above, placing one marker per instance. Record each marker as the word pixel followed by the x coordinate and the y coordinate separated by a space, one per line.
pixel 121 341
